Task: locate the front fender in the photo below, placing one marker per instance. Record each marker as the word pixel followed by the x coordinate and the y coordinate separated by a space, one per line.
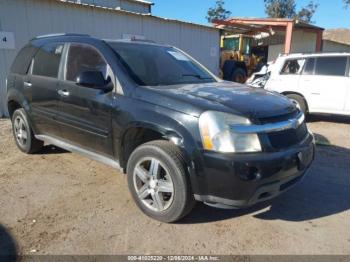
pixel 174 126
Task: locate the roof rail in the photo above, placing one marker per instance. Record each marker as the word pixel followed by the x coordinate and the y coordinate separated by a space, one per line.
pixel 59 34
pixel 131 40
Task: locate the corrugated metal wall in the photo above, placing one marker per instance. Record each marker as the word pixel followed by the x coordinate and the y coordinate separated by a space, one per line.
pixel 29 18
pixel 302 42
pixel 330 46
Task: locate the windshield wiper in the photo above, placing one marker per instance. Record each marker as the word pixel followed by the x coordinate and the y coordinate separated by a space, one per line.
pixel 197 76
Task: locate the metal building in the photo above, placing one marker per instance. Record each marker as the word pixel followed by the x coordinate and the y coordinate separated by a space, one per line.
pixel 21 20
pixel 336 40
pixel 274 36
pixel 137 6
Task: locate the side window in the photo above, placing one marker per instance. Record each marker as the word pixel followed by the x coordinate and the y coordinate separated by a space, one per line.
pixel 293 67
pixel 47 60
pixel 331 66
pixel 82 58
pixel 23 60
pixel 309 67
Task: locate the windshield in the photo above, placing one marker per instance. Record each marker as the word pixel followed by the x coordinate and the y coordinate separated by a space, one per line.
pixel 152 65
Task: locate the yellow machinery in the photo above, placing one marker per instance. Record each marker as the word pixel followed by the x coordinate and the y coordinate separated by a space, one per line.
pixel 237 63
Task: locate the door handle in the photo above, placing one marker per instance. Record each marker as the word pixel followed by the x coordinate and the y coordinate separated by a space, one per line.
pixel 63 92
pixel 27 84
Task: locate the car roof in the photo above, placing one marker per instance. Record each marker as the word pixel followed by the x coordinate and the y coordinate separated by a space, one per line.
pixel 306 55
pixel 43 39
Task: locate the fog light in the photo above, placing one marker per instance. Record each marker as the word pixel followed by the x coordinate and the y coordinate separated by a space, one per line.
pixel 247 172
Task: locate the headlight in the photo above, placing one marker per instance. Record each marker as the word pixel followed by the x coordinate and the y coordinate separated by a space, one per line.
pixel 217 135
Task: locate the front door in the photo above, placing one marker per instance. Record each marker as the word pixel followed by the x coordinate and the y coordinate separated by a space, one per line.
pixel 85 113
pixel 288 77
pixel 42 81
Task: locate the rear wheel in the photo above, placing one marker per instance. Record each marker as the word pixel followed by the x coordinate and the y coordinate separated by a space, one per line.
pixel 23 133
pixel 299 102
pixel 239 76
pixel 158 183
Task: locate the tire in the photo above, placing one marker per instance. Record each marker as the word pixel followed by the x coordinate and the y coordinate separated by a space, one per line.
pixel 299 102
pixel 239 76
pixel 23 133
pixel 168 180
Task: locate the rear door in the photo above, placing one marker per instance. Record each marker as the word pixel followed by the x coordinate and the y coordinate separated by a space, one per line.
pixel 85 113
pixel 42 81
pixel 326 86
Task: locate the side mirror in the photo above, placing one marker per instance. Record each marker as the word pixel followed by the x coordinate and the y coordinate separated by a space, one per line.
pixel 94 79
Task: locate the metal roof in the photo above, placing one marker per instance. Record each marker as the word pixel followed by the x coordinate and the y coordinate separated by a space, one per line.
pixel 142 1
pixel 135 13
pixel 250 25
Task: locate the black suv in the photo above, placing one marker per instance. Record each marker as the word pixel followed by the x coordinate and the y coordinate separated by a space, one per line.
pixel 179 133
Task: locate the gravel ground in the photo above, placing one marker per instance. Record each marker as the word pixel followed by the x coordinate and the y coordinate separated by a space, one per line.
pixel 61 203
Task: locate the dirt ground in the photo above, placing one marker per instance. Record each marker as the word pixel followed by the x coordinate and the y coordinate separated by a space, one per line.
pixel 61 203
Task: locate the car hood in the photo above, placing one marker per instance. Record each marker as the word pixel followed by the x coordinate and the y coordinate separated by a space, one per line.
pixel 220 96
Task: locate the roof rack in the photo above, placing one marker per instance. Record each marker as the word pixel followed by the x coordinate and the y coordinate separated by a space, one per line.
pixel 131 40
pixel 59 34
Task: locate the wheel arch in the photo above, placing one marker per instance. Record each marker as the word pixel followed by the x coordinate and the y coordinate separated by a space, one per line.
pixel 16 99
pixel 138 134
pixel 298 94
pixel 12 106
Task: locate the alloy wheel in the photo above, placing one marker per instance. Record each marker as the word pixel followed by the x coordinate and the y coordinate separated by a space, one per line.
pixel 153 184
pixel 21 131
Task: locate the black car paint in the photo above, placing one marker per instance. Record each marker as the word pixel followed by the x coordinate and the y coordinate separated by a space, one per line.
pixel 230 97
pixel 107 123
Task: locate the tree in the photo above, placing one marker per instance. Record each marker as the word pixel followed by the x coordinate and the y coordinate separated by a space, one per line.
pixel 347 2
pixel 280 8
pixel 306 13
pixel 218 12
pixel 287 9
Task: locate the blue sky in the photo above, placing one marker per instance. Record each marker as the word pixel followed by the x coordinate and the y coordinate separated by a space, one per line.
pixel 330 13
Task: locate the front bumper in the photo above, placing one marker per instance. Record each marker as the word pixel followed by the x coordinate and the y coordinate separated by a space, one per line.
pixel 242 180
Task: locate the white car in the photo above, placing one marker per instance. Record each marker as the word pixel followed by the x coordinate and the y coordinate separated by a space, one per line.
pixel 317 83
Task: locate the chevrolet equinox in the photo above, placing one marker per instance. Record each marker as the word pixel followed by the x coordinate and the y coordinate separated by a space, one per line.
pixel 179 133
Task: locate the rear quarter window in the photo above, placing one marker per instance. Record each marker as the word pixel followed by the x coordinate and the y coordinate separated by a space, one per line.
pixel 331 66
pixel 23 60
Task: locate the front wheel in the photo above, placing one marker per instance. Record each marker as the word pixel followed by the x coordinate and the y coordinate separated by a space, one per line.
pixel 158 182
